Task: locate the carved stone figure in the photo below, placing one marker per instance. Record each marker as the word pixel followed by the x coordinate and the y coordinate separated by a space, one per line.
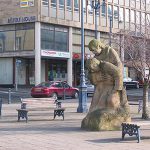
pixel 109 106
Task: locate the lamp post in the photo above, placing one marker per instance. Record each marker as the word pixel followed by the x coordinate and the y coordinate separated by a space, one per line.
pixel 96 6
pixel 83 88
pixel 110 29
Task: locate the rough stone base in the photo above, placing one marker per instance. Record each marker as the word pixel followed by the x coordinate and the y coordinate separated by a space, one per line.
pixel 105 120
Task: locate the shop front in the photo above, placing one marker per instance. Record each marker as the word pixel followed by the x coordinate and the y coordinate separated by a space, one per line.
pixel 56 70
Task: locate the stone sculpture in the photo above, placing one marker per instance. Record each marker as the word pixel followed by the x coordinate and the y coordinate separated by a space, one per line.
pixel 109 106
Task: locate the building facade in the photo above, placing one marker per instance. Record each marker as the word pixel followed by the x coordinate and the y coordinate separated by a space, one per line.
pixel 40 40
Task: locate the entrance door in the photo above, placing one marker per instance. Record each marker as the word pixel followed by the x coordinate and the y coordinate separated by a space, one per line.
pixel 57 70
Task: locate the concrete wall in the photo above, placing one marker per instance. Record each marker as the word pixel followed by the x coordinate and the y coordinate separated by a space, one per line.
pixel 11 9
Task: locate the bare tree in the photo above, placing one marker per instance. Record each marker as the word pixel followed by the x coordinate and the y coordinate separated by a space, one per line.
pixel 137 55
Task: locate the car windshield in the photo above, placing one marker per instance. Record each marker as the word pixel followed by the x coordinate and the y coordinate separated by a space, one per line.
pixel 127 79
pixel 45 84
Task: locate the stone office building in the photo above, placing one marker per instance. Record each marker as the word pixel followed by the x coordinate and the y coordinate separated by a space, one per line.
pixel 40 40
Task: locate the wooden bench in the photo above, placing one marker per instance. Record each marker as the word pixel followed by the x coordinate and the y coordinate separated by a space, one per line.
pixel 133 128
pixel 32 104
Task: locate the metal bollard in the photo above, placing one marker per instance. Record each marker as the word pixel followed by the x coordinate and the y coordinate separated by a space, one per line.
pixel 0 106
pixel 64 94
pixel 9 96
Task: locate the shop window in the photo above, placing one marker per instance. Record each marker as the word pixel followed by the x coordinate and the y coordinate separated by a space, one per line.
pixel 57 71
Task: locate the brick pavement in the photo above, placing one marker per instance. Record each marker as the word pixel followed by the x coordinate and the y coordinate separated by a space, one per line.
pixel 43 133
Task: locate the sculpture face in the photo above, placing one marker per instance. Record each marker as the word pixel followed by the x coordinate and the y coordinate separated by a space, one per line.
pixel 96 47
pixel 96 50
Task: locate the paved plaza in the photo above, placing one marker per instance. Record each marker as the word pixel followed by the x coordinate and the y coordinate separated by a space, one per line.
pixel 44 133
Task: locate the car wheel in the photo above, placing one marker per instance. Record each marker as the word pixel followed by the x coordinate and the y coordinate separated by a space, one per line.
pixel 76 95
pixel 55 96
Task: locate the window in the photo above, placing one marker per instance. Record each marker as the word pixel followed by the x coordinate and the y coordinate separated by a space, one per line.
pixel 127 15
pixel 138 4
pixel 18 43
pixel 132 16
pixel 116 12
pixel 121 2
pixel 2 42
pixel 143 18
pixel 132 3
pixel 148 5
pixel 45 3
pixel 148 19
pixel 127 3
pixel 61 4
pixel 24 36
pixel 138 17
pixel 54 38
pixel 76 5
pixel 116 1
pixel 53 3
pixel 69 4
pixel 61 41
pixel 143 4
pixel 121 15
pixel 47 37
pixel 103 8
pixel 109 10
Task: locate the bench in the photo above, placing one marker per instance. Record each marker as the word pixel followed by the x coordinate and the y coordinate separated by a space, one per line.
pixel 132 128
pixel 32 104
pixel 139 104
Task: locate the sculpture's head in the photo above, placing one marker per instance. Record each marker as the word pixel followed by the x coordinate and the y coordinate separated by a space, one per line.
pixel 96 46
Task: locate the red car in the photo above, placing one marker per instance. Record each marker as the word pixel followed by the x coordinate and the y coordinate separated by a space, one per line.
pixel 55 89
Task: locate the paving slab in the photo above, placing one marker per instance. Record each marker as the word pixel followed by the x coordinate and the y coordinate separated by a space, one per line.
pixel 44 133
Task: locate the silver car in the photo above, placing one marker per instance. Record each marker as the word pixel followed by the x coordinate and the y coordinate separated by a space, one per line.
pixel 90 89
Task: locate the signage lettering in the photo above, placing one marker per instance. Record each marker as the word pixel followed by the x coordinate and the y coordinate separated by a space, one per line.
pixel 22 19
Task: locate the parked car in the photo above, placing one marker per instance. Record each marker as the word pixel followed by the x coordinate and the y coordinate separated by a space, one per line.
pixel 129 83
pixel 90 89
pixel 55 89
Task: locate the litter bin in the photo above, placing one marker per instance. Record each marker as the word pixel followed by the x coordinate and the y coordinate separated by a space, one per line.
pixel 0 106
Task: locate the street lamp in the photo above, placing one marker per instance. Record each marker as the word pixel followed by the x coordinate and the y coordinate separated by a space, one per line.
pixel 96 6
pixel 83 88
pixel 110 29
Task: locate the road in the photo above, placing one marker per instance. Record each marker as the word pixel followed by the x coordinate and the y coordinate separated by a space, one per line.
pixel 133 94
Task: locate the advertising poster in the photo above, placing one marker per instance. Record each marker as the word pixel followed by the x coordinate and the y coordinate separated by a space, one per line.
pixel 26 3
